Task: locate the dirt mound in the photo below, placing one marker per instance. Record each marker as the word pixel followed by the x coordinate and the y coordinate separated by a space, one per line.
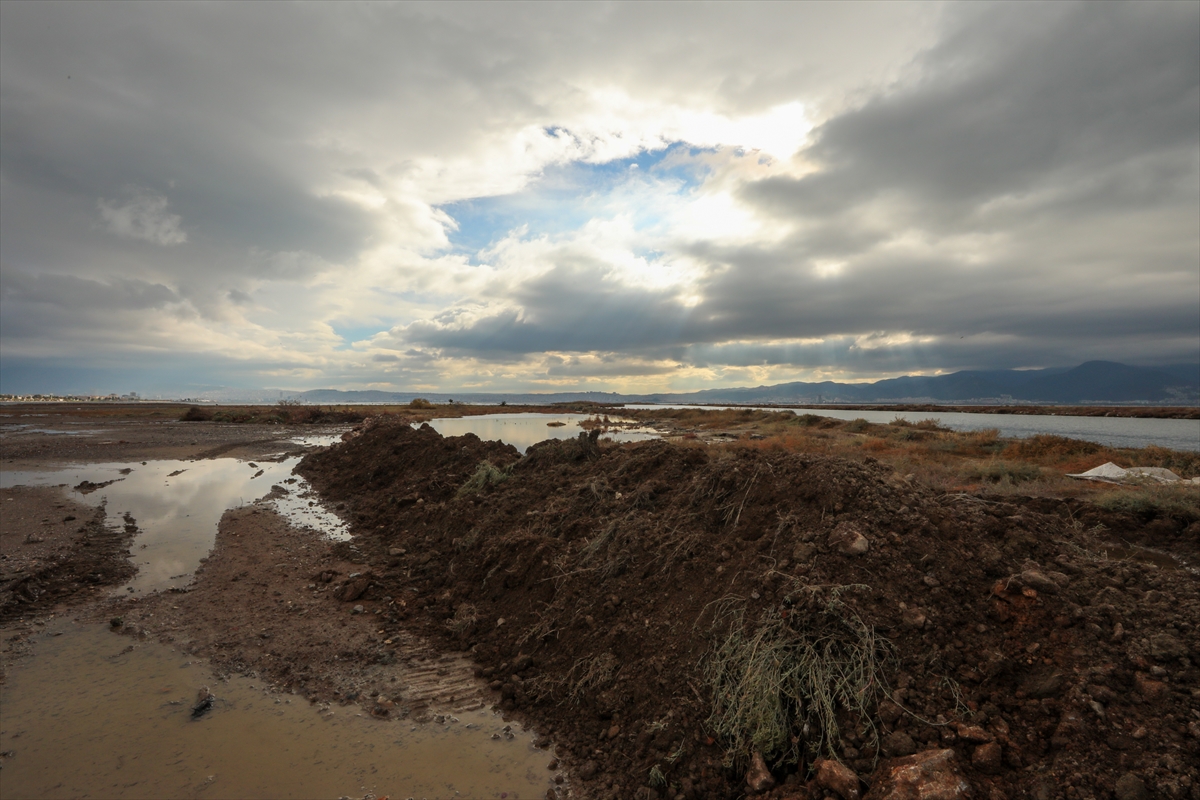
pixel 681 619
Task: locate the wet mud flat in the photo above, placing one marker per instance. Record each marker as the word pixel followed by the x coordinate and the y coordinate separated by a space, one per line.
pixel 618 597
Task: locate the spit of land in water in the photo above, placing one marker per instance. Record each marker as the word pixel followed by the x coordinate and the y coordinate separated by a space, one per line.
pixel 751 602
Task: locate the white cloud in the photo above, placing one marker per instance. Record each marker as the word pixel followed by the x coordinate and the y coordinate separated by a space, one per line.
pixel 144 217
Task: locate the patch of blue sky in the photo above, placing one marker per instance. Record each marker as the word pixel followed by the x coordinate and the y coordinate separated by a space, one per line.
pixel 565 197
pixel 356 333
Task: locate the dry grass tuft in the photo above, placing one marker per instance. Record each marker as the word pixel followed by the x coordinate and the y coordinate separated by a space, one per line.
pixel 486 474
pixel 464 619
pixel 778 685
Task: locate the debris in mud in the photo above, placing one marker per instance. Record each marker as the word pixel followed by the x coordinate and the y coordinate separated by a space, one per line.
pixel 87 487
pixel 979 635
pixel 1109 472
pixel 204 702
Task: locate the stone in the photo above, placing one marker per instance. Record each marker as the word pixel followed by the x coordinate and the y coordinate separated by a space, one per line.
pixel 587 770
pixel 758 777
pixel 912 617
pixel 204 702
pixel 354 588
pixel 1150 689
pixel 614 731
pixel 847 540
pixel 1043 684
pixel 987 757
pixel 1036 579
pixel 1164 646
pixel 973 733
pixel 898 744
pixel 928 775
pixel 357 610
pixel 837 777
pixel 889 712
pixel 1131 787
pixel 1069 725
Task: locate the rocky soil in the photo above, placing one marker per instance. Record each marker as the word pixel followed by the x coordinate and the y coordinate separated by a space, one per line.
pixel 1009 653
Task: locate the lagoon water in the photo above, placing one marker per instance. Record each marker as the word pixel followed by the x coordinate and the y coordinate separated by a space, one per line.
pixel 1177 434
pixel 527 428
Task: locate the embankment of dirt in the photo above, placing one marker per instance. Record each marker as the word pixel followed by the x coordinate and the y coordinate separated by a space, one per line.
pixel 597 588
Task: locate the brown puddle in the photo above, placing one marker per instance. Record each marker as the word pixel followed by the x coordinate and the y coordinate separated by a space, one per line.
pixel 94 714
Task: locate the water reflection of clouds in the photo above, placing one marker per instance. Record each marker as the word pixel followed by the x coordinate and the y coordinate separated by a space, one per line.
pixel 522 430
pixel 177 515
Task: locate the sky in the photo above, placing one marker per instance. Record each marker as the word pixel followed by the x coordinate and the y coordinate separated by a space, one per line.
pixel 630 197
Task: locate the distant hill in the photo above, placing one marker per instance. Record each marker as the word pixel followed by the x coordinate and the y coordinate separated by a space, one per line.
pixel 1092 382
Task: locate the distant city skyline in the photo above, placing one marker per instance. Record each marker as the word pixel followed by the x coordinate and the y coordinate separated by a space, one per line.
pixel 634 198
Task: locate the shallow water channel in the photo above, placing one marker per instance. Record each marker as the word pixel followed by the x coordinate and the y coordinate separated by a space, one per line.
pixel 94 714
pixel 88 713
pixel 177 505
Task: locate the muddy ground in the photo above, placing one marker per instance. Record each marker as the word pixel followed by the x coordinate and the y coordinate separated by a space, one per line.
pixel 278 603
pixel 54 550
pixel 1017 647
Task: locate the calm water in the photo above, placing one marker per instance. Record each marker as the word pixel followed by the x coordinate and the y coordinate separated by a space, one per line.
pixel 1177 434
pixel 525 429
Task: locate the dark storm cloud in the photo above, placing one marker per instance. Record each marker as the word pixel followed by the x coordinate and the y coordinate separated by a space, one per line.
pixel 576 306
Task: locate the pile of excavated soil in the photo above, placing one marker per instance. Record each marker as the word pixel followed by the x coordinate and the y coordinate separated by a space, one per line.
pixel 591 585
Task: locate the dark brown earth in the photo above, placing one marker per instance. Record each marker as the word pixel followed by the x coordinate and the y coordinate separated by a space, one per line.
pixel 590 584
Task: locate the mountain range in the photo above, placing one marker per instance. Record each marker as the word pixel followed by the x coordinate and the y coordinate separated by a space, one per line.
pixel 1092 382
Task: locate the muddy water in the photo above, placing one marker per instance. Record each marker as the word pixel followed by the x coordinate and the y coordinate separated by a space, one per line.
pixel 525 429
pixel 177 505
pixel 87 716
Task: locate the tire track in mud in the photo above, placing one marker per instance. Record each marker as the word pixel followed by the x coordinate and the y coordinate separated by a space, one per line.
pixel 287 606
